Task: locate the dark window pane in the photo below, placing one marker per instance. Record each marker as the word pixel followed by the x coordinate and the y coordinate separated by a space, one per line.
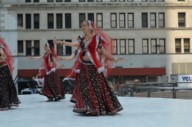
pixel 68 50
pixel 144 20
pixel 181 20
pixel 67 21
pixel 20 20
pixel 81 19
pixel 36 21
pixel 60 50
pixel 35 1
pixel 59 21
pixel 36 48
pixel 91 16
pixel 28 48
pixel 20 47
pixel 27 1
pixel 50 21
pixel 28 21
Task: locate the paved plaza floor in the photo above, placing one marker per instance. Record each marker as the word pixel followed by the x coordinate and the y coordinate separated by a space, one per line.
pixel 138 112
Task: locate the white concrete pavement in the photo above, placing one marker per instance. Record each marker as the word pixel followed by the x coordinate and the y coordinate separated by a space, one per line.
pixel 138 112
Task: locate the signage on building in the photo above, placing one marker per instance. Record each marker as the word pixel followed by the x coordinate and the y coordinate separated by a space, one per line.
pixel 185 78
pixel 185 81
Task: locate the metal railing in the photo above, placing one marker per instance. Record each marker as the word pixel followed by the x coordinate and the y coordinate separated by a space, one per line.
pixel 134 89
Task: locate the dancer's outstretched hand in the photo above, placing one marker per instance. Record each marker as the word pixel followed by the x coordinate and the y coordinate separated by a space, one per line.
pixel 119 59
pixel 30 57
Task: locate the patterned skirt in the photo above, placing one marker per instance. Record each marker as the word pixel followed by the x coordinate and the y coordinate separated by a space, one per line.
pixel 53 88
pixel 8 93
pixel 95 97
pixel 75 93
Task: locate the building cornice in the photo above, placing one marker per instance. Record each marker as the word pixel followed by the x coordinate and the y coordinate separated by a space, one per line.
pixel 104 29
pixel 95 5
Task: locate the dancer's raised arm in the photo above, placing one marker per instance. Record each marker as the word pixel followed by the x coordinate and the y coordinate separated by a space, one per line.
pixel 109 56
pixel 35 58
pixel 62 42
pixel 68 57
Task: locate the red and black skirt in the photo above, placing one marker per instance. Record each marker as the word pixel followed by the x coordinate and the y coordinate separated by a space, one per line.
pixel 53 88
pixel 8 93
pixel 75 89
pixel 95 97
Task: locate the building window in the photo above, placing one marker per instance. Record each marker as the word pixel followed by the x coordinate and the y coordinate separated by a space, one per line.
pixel 130 17
pixel 162 46
pixel 115 47
pixel 122 20
pixel 35 1
pixel 113 20
pixel 145 46
pixel 20 20
pixel 154 46
pixel 153 20
pixel 50 21
pixel 27 1
pixel 68 49
pixel 91 17
pixel 36 21
pixel 59 18
pixel 131 46
pixel 81 19
pixel 122 43
pixel 144 20
pixel 99 20
pixel 181 20
pixel 28 21
pixel 178 45
pixel 20 49
pixel 68 20
pixel 161 20
pixel 59 0
pixel 186 45
pixel 60 50
pixel 28 48
pixel 36 48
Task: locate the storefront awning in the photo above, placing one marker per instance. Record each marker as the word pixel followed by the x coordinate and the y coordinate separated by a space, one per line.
pixel 138 72
pixel 27 73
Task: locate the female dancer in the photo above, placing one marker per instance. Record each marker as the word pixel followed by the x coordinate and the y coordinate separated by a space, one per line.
pixel 52 89
pixel 73 75
pixel 8 94
pixel 96 97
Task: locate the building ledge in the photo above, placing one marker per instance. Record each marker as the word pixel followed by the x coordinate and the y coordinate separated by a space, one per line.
pixel 94 4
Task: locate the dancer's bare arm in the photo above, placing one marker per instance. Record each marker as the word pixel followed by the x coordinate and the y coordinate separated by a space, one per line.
pixel 67 58
pixel 36 58
pixel 109 56
pixel 57 63
pixel 62 42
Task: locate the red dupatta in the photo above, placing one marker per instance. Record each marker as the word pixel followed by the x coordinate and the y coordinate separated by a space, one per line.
pixel 9 60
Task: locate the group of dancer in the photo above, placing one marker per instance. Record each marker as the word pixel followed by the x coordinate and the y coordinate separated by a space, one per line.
pixel 92 93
